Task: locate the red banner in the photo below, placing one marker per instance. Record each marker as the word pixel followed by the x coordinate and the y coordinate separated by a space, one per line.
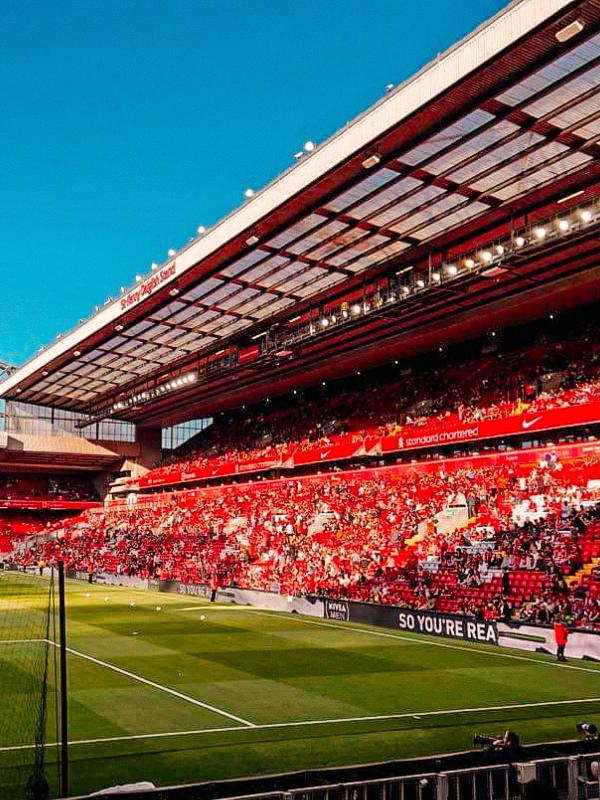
pixel 216 470
pixel 58 505
pixel 259 465
pixel 439 434
pixel 569 454
pixel 205 472
pixel 248 354
pixel 436 434
pixel 333 452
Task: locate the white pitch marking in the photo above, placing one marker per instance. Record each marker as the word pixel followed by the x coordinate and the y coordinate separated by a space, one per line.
pixel 20 641
pixel 308 722
pixel 412 639
pixel 208 607
pixel 159 686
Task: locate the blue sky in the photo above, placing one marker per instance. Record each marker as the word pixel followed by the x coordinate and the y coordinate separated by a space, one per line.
pixel 127 124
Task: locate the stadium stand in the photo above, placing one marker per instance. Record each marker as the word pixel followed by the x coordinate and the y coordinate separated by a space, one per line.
pixel 436 539
pixel 425 283
pixel 30 502
pixel 14 486
pixel 554 370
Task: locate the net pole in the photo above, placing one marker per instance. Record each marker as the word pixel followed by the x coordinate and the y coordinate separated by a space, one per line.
pixel 64 719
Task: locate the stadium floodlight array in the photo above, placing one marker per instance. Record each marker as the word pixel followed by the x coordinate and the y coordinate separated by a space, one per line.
pixel 150 394
pixel 401 285
pixel 487 260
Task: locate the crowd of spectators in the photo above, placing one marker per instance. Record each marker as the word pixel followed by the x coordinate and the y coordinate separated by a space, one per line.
pixel 491 541
pixel 17 525
pixel 503 381
pixel 25 486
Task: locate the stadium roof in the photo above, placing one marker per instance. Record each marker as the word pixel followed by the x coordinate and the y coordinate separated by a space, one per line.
pixel 24 452
pixel 500 131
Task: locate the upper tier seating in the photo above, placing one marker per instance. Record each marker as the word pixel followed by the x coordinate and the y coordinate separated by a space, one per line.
pixel 515 379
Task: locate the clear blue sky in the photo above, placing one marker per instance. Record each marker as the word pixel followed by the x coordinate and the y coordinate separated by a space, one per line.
pixel 125 125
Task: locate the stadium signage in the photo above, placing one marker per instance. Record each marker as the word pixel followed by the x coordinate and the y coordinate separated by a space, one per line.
pixel 79 505
pixel 337 609
pixel 149 286
pixel 194 589
pixel 342 447
pixel 452 431
pixel 439 437
pixel 426 436
pixel 448 626
pixel 258 466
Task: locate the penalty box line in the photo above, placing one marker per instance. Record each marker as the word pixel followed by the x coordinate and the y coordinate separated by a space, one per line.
pixel 308 722
pixel 173 692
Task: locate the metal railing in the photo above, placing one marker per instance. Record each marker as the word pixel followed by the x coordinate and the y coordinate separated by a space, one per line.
pixel 571 777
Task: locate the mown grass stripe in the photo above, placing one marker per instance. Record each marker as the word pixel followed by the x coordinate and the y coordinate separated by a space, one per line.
pixel 160 687
pixel 309 722
pixel 414 640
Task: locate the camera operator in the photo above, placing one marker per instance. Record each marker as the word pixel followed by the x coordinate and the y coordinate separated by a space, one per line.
pixel 589 732
pixel 500 748
pixel 506 743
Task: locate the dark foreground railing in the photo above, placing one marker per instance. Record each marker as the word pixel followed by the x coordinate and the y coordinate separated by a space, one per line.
pixel 565 770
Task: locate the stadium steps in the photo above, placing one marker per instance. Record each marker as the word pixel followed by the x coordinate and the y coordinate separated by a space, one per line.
pixel 587 569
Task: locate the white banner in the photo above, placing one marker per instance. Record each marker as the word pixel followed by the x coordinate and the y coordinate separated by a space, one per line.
pixel 540 639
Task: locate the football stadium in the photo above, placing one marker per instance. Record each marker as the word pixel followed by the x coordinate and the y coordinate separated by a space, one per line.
pixel 312 509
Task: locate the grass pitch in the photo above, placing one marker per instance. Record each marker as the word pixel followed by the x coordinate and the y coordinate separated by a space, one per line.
pixel 170 697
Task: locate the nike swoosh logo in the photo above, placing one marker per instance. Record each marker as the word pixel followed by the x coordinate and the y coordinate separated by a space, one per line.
pixel 527 423
pixel 324 455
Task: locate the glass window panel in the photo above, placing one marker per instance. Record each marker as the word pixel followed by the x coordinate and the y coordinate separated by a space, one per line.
pixel 425 196
pixel 202 289
pixel 470 148
pixel 553 72
pixel 242 263
pixel 397 193
pixel 522 165
pixel 314 238
pixel 362 188
pixel 297 229
pixel 446 137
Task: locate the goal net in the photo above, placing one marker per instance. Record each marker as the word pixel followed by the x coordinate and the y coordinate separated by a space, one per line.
pixel 28 684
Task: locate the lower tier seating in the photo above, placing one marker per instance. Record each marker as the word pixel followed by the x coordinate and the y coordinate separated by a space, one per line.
pixel 491 541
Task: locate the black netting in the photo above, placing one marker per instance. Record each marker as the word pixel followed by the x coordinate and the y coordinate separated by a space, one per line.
pixel 27 683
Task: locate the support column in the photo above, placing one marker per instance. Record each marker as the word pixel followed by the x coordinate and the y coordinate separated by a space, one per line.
pixel 149 441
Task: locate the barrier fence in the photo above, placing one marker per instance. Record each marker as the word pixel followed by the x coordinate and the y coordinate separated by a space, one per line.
pixel 570 777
